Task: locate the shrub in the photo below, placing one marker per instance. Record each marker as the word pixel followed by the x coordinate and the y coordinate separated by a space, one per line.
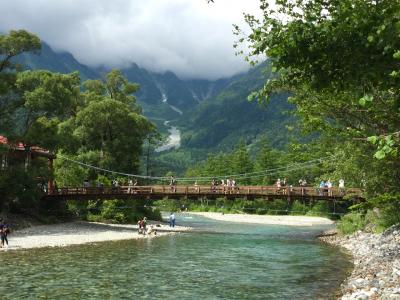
pixel 321 208
pixel 380 212
pixel 351 222
pixel 298 208
pixel 93 218
pixel 277 207
pixel 388 209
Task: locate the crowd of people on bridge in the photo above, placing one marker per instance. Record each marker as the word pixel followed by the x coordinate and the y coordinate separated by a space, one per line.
pixel 325 187
pixel 230 186
pixel 227 187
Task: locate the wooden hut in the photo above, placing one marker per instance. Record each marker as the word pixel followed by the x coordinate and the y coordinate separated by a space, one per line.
pixel 19 153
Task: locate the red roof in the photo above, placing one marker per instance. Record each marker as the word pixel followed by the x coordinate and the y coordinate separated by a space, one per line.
pixel 21 147
pixel 4 141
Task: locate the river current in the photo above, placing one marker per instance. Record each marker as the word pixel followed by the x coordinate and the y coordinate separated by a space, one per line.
pixel 219 260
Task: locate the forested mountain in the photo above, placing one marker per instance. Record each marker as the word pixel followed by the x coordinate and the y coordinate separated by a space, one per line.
pixel 219 122
pixel 212 115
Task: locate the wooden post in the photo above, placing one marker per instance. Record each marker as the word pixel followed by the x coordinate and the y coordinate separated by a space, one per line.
pixel 27 157
pixel 50 183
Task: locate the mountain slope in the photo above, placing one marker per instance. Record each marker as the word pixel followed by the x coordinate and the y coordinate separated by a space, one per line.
pixel 62 62
pixel 221 121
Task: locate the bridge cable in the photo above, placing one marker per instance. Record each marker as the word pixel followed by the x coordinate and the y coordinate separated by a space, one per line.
pixel 288 168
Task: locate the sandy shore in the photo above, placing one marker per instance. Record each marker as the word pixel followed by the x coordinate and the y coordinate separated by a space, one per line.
pixel 75 233
pixel 267 219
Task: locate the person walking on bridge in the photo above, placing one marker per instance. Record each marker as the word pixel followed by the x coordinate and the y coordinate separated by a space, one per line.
pixel 278 185
pixel 303 184
pixel 172 183
pixel 130 185
pixel 223 186
pixel 321 188
pixel 213 185
pixel 341 186
pixel 329 185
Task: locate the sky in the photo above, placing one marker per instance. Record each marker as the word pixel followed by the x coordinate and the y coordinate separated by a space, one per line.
pixel 191 38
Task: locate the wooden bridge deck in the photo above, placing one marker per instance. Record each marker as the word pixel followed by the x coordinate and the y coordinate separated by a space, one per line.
pixel 198 192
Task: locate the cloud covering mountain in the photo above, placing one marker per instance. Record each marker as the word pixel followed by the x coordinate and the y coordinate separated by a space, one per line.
pixel 189 37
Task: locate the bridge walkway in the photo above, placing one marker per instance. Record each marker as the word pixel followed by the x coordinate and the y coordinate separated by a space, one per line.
pixel 199 192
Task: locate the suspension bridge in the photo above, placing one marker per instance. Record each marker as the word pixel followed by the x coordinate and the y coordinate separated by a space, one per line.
pixel 156 192
pixel 195 191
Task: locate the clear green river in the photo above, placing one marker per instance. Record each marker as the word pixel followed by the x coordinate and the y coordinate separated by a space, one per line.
pixel 219 260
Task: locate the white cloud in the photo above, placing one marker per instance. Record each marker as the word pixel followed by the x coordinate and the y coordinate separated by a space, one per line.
pixel 189 37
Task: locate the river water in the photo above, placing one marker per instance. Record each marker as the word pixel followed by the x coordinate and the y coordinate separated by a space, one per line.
pixel 219 260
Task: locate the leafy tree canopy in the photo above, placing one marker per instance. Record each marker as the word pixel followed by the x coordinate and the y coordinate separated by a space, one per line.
pixel 340 59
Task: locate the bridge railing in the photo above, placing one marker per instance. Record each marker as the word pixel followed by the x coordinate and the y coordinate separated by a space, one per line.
pixel 191 190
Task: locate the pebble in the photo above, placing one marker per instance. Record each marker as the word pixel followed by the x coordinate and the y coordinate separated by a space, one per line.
pixel 376 258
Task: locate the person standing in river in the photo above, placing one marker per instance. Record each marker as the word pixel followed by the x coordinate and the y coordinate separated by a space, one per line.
pixel 172 220
pixel 144 225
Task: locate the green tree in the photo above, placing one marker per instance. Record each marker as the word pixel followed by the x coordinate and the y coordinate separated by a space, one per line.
pixel 46 99
pixel 108 124
pixel 32 104
pixel 241 163
pixel 266 159
pixel 340 62
pixel 12 44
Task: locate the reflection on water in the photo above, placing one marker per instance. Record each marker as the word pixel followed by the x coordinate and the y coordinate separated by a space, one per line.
pixel 223 261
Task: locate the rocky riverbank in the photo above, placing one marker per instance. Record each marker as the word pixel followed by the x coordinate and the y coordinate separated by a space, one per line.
pixel 376 273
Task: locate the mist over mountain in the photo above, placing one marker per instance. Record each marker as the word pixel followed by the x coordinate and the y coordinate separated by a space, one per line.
pixel 62 62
